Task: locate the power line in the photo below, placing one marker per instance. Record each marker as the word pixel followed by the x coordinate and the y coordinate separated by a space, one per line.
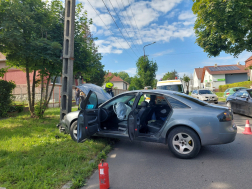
pixel 135 22
pixel 123 26
pixel 118 27
pixel 107 26
pixel 130 21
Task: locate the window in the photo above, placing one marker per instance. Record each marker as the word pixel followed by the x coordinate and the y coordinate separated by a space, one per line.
pixel 178 88
pixel 192 99
pixel 196 92
pixel 176 104
pixel 123 98
pixel 205 92
pixel 227 90
pixel 57 81
pixel 92 101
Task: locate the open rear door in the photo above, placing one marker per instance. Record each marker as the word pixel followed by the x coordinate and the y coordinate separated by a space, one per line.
pixel 88 119
pixel 132 119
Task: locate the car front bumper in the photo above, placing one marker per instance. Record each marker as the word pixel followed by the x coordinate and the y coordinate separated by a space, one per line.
pixel 63 127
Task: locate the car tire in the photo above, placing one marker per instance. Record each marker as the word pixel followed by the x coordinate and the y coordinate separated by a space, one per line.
pixel 184 143
pixel 215 102
pixel 73 131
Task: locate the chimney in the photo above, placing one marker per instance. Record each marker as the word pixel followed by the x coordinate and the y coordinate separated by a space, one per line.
pixel 238 63
pixel 215 65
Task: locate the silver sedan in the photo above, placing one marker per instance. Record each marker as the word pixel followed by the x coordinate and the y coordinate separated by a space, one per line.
pixel 182 122
pixel 205 95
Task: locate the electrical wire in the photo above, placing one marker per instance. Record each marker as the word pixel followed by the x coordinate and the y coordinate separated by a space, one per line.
pixel 107 26
pixel 137 35
pixel 135 22
pixel 118 27
pixel 123 26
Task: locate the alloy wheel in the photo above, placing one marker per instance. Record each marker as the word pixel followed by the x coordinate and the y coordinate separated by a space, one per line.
pixel 183 143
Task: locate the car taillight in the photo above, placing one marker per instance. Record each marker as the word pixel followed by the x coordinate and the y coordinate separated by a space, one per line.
pixel 226 116
pixel 227 93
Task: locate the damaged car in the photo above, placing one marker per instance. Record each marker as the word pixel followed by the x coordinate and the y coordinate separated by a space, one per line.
pixel 177 120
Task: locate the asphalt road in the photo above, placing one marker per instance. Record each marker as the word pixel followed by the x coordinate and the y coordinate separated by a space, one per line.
pixel 143 165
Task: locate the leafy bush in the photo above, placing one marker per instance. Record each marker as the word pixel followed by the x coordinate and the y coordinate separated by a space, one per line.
pixel 6 88
pixel 246 84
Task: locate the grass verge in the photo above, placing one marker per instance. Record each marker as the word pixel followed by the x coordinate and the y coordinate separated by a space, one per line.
pixel 221 97
pixel 33 154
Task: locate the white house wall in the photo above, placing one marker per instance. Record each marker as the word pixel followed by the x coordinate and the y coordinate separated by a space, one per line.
pixel 214 80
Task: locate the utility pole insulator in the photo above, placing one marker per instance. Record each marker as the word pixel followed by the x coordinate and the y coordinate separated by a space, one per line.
pixel 68 58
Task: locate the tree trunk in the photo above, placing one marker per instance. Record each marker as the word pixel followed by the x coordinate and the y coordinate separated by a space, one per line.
pixel 42 89
pixel 29 91
pixel 33 89
pixel 47 87
pixel 49 97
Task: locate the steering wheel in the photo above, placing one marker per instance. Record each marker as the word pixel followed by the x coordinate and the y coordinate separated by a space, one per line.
pixel 114 108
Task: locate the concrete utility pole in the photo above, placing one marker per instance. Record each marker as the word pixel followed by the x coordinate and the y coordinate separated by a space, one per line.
pixel 68 59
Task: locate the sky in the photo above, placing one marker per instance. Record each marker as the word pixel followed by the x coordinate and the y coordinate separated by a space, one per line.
pixel 168 23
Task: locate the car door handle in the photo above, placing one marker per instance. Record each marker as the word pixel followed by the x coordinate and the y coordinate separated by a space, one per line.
pixel 92 121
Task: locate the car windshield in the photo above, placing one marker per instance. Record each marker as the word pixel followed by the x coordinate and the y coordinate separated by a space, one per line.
pixel 205 92
pixel 124 99
pixel 178 88
pixel 250 93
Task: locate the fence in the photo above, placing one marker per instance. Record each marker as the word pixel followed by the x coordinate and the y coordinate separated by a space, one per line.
pixel 20 94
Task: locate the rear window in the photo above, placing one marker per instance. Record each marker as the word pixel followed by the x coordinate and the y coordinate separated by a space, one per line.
pixel 191 99
pixel 176 104
pixel 205 92
pixel 178 88
pixel 227 90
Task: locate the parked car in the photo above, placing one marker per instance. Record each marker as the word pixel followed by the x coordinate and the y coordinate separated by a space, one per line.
pixel 205 95
pixel 233 90
pixel 241 102
pixel 173 118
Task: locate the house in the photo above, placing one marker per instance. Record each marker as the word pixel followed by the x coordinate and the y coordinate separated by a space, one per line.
pixel 197 78
pixel 214 76
pixel 117 81
pixel 19 77
pixel 248 63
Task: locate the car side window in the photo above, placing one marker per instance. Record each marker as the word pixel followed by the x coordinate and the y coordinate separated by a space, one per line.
pixel 92 101
pixel 176 103
pixel 196 92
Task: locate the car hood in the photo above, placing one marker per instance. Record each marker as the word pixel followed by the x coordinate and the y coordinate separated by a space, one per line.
pixel 102 95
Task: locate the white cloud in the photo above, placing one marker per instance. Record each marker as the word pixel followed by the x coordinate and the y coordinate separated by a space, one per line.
pixel 172 14
pixel 164 5
pixel 159 76
pixel 162 53
pixel 187 15
pixel 131 71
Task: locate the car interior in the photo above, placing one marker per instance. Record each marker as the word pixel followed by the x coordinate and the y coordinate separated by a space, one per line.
pixel 152 111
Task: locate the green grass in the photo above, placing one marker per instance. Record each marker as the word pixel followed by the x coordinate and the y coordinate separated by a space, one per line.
pixel 220 96
pixel 33 154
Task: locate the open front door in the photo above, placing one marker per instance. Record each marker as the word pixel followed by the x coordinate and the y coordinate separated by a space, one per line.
pixel 88 119
pixel 132 119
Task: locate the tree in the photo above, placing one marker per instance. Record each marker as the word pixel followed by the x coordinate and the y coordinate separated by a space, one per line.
pixel 223 26
pixel 171 75
pixel 124 76
pixel 186 79
pixel 31 35
pixel 135 84
pixel 146 71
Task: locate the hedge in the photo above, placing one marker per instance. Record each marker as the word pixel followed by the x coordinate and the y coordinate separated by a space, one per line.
pixel 6 88
pixel 246 84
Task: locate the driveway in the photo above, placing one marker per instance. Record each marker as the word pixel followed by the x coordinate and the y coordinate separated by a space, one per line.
pixel 150 165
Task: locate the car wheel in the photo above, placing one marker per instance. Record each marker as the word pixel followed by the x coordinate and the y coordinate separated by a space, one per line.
pixel 184 143
pixel 73 131
pixel 215 102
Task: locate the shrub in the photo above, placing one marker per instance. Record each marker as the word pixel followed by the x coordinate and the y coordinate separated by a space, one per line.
pixel 6 88
pixel 246 84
